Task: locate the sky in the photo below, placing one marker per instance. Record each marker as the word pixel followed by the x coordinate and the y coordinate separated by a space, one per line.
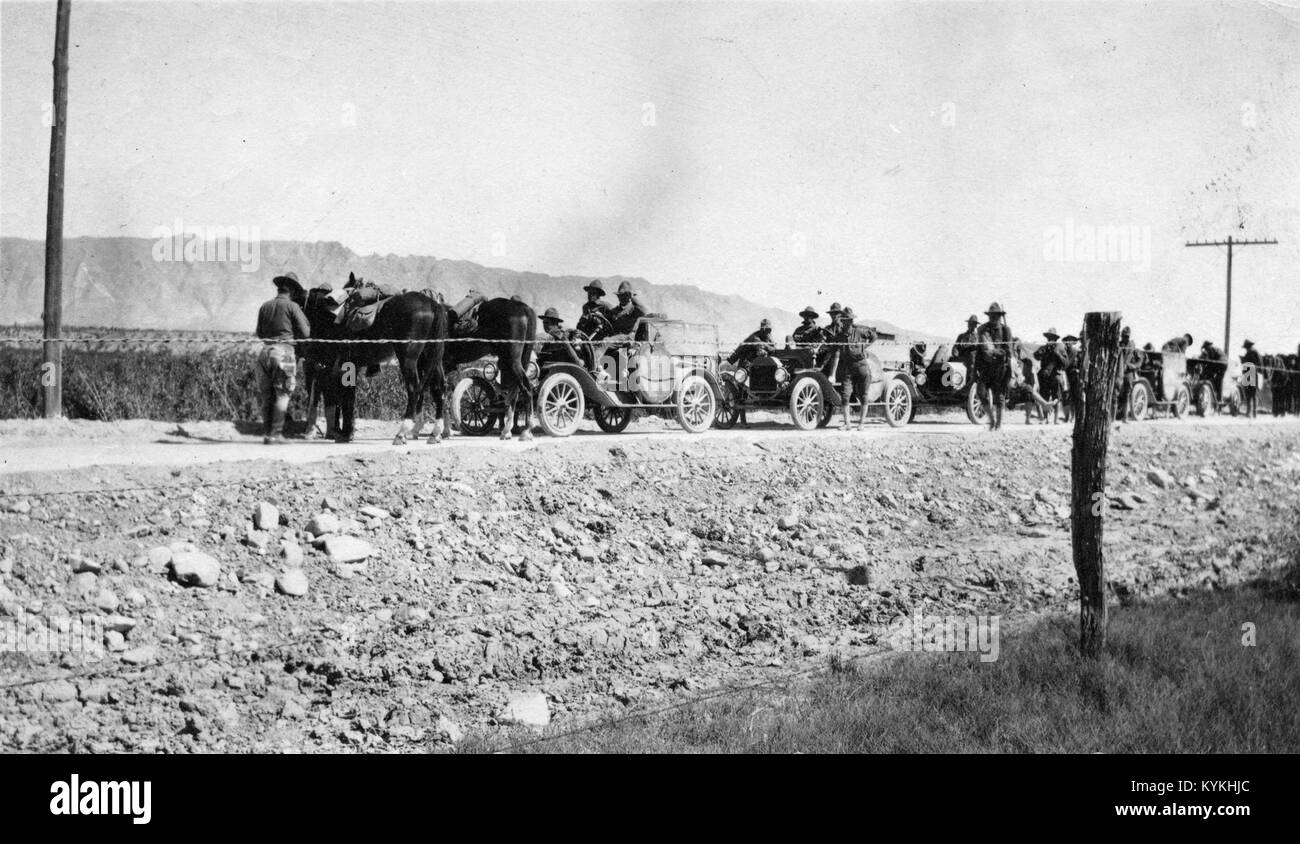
pixel 914 160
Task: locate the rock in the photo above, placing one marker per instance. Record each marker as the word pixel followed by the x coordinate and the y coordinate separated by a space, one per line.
pixel 714 559
pixel 347 549
pixel 323 523
pixel 292 582
pixel 120 623
pixel 58 691
pixel 262 579
pixel 588 554
pixel 789 522
pixel 450 730
pixel 194 568
pixel 114 641
pixel 265 516
pixel 1124 501
pixel 258 539
pixel 766 555
pixel 106 601
pixel 527 708
pixel 560 589
pixel 291 552
pixel 294 710
pixel 331 503
pixel 411 616
pixel 139 656
pixel 1161 478
pixel 84 564
pixel 84 584
pixel 375 512
pixel 771 567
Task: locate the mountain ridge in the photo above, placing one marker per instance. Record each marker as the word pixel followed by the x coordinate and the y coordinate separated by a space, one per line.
pixel 122 282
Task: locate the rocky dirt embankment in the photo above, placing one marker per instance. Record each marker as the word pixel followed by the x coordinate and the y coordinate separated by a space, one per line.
pixel 399 601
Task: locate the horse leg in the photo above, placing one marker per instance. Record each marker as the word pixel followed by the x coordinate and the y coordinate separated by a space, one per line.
pixel 411 381
pixel 437 387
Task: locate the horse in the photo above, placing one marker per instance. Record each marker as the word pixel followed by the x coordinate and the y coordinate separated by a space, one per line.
pixel 413 324
pixel 508 329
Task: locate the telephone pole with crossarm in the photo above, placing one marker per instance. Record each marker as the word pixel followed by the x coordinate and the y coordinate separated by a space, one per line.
pixel 1227 316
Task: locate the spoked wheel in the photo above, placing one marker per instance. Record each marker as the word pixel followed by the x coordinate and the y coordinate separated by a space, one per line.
pixel 1204 399
pixel 976 412
pixel 729 406
pixel 612 420
pixel 1182 401
pixel 696 404
pixel 1139 400
pixel 1236 402
pixel 560 404
pixel 471 407
pixel 806 405
pixel 898 403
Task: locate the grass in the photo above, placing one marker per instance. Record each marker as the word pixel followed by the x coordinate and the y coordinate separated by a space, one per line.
pixel 165 384
pixel 1175 678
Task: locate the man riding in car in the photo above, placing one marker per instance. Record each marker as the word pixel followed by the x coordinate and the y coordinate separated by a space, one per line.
pixel 624 317
pixel 555 346
pixel 808 332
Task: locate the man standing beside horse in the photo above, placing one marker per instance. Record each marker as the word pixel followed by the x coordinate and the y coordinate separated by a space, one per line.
pixel 281 323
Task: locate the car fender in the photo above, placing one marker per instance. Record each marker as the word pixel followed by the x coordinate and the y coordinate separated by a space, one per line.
pixel 590 389
pixel 712 379
pixel 829 393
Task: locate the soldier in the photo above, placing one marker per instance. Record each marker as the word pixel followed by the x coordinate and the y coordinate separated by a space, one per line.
pixel 1073 357
pixel 1209 351
pixel 1130 361
pixel 556 349
pixel 623 318
pixel 963 350
pixel 808 332
pixel 993 364
pixel 1252 371
pixel 755 344
pixel 1178 345
pixel 595 296
pixel 1051 357
pixel 280 324
pixel 854 370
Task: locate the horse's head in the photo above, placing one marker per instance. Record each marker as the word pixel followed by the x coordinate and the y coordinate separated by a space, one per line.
pixel 353 281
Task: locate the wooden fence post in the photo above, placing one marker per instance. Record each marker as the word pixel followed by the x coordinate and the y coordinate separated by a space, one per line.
pixel 1099 368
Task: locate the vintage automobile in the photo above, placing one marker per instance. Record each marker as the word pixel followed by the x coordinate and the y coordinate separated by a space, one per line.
pixel 800 379
pixel 788 378
pixel 668 366
pixel 941 381
pixel 477 404
pixel 1164 382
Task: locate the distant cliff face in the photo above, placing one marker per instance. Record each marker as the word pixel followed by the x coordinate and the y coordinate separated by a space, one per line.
pixel 140 283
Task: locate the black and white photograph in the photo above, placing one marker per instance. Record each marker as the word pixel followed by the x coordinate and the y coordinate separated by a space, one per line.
pixel 606 378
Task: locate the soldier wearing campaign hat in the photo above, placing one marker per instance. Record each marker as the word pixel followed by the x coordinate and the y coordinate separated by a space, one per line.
pixel 281 323
pixel 963 348
pixel 623 317
pixel 808 332
pixel 556 346
pixel 1052 359
pixel 993 363
pixel 853 372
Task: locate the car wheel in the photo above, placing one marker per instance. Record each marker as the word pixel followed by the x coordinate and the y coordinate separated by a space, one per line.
pixel 1182 401
pixel 898 403
pixel 471 407
pixel 1204 399
pixel 612 420
pixel 696 404
pixel 976 412
pixel 1139 400
pixel 560 404
pixel 729 406
pixel 806 403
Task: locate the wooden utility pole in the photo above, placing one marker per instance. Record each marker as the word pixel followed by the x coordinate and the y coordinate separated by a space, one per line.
pixel 1227 311
pixel 1099 368
pixel 52 358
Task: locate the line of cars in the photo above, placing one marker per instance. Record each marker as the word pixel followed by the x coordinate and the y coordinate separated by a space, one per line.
pixel 672 368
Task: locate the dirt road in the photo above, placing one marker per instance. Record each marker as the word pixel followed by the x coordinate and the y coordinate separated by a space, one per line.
pixel 40 446
pixel 397 598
